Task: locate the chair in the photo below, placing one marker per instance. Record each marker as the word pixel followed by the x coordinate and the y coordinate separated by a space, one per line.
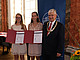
pixel 5 44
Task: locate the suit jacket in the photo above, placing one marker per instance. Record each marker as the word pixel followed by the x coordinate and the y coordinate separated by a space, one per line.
pixel 54 42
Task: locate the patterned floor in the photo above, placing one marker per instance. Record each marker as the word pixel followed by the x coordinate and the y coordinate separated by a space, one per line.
pixel 9 56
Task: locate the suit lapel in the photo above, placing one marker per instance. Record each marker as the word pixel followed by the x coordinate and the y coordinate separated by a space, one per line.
pixel 53 25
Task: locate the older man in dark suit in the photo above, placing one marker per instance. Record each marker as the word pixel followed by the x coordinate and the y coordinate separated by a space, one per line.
pixel 53 37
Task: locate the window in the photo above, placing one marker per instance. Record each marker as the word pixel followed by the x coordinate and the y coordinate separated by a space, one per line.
pixel 30 6
pixel 25 7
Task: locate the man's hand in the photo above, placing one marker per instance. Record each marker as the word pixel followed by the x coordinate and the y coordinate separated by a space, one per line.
pixel 58 54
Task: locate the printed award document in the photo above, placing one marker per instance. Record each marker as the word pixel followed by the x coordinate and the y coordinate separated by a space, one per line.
pixel 37 37
pixel 19 37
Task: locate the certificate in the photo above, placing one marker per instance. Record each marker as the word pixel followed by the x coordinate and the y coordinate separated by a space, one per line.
pixel 37 37
pixel 16 37
pixel 19 37
pixel 11 34
pixel 28 36
pixel 24 36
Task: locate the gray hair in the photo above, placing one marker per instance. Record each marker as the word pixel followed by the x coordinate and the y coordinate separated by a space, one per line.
pixel 52 10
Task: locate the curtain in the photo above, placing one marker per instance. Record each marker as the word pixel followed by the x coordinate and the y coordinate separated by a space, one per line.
pixel 4 20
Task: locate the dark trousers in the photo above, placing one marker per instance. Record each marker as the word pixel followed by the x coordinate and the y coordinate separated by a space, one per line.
pixel 28 57
pixel 48 57
pixel 41 57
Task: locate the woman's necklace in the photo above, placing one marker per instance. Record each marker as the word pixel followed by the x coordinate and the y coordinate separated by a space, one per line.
pixel 53 28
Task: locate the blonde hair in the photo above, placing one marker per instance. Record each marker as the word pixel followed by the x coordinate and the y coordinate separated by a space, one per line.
pixel 52 10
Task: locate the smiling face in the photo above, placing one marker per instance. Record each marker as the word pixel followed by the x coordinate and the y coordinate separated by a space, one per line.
pixel 52 16
pixel 18 18
pixel 34 17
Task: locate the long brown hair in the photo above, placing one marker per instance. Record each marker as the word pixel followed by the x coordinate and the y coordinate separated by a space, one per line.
pixel 38 20
pixel 21 22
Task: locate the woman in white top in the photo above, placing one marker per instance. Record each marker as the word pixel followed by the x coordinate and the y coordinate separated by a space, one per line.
pixel 18 49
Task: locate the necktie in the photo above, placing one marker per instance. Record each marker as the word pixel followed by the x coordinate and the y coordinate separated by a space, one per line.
pixel 49 28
